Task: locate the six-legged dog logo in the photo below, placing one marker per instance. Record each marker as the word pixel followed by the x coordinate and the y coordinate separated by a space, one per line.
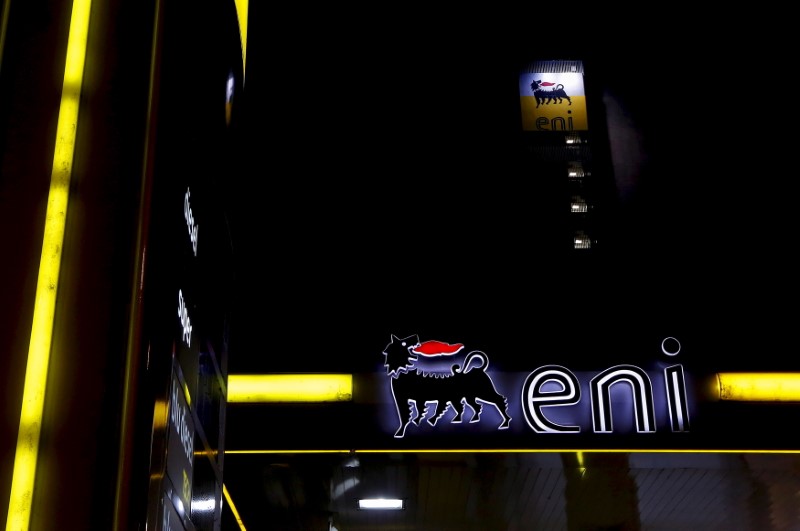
pixel 543 95
pixel 458 386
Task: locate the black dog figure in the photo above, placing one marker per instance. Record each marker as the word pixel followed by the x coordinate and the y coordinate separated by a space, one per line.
pixel 554 95
pixel 411 390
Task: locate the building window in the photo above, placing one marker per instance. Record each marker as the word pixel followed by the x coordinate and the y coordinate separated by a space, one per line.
pixel 578 205
pixel 581 240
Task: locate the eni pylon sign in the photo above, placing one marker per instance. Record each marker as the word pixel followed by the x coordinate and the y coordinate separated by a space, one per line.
pixel 552 97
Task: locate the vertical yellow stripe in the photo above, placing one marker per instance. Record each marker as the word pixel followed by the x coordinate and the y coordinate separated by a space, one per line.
pixel 30 423
pixel 241 14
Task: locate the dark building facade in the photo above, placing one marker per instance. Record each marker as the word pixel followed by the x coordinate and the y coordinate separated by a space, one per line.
pixel 118 122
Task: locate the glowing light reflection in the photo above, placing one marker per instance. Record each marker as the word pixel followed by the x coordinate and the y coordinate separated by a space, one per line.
pixel 759 387
pixel 258 388
pixel 30 425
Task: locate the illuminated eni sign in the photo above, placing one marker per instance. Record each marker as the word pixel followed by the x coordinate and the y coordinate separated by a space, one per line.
pixel 567 391
pixel 552 101
pixel 429 378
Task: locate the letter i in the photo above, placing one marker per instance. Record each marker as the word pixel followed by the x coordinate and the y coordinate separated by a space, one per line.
pixel 675 385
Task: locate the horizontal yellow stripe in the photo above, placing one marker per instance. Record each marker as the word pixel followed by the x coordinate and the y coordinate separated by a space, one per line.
pixel 259 388
pixel 255 388
pixel 514 451
pixel 759 386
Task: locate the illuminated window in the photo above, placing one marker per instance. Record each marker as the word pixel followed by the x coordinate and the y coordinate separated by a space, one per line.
pixel 578 205
pixel 575 170
pixel 581 240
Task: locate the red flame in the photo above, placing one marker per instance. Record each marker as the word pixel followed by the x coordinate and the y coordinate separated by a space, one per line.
pixel 437 348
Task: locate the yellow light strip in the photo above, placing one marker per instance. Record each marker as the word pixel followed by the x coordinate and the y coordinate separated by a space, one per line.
pixel 319 451
pixel 259 388
pixel 30 422
pixel 233 507
pixel 511 451
pixel 241 14
pixel 759 386
pixel 581 462
pixel 766 387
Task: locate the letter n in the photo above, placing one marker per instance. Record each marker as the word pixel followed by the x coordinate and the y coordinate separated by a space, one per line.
pixel 641 391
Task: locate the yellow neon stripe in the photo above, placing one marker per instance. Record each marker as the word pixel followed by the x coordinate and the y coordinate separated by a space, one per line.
pixel 257 388
pixel 511 451
pixel 30 422
pixel 759 387
pixel 233 507
pixel 767 387
pixel 581 462
pixel 241 14
pixel 265 452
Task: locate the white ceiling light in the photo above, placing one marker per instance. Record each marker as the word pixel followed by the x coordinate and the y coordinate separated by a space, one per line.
pixel 381 503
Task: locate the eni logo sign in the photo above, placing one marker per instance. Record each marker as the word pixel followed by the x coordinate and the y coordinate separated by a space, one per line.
pixel 462 386
pixel 553 101
pixel 428 379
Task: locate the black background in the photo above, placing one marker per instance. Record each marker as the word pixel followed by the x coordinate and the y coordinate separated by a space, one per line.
pixel 380 190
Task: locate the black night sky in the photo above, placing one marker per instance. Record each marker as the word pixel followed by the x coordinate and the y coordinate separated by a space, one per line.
pixel 381 192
